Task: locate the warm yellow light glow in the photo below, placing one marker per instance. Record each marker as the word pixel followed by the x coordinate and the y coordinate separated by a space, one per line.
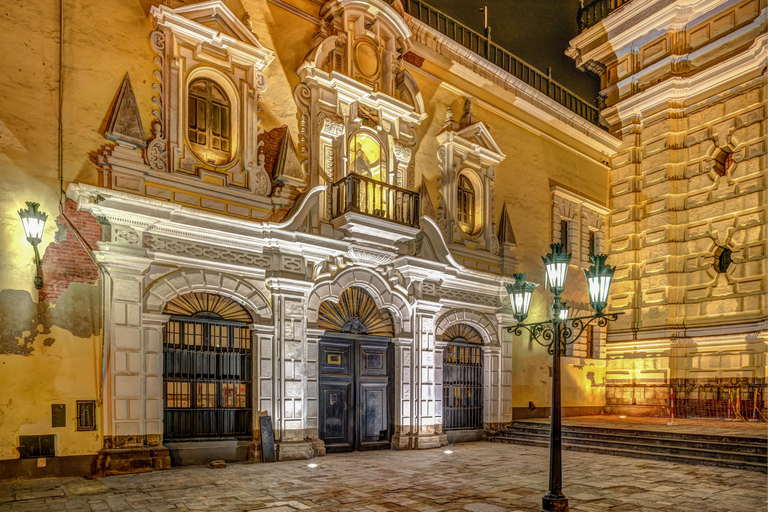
pixel 365 156
pixel 311 465
pixel 448 451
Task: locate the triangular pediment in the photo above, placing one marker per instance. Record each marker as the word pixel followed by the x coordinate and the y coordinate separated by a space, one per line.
pixel 215 15
pixel 213 23
pixel 478 133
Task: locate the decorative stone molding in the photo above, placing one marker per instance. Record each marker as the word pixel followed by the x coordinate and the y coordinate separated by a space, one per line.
pixel 479 321
pixel 583 217
pixel 353 82
pixel 468 149
pixel 187 281
pixel 374 284
pixel 185 39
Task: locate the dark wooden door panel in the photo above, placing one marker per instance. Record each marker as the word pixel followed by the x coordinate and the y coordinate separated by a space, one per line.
pixel 335 416
pixel 355 390
pixel 373 427
pixel 336 358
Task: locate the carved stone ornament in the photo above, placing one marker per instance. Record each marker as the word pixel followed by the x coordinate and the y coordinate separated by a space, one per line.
pixel 260 182
pixel 493 245
pixel 332 127
pixel 157 151
pixel 402 153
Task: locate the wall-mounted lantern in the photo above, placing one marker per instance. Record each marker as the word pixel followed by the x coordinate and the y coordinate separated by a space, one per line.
pixel 33 221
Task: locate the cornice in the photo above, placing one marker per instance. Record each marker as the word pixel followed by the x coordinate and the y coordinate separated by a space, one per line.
pixel 513 91
pixel 592 205
pixel 683 89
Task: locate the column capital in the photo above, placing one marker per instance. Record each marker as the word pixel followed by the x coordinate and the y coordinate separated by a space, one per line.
pixel 154 319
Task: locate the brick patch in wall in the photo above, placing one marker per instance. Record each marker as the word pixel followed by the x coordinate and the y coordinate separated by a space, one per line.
pixel 65 261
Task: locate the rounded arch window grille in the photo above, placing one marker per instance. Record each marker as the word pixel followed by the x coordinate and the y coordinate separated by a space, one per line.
pixel 723 161
pixel 723 259
pixel 355 313
pixel 462 378
pixel 207 368
pixel 462 333
pixel 209 122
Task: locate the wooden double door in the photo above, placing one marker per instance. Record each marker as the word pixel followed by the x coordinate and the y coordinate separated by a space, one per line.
pixel 356 392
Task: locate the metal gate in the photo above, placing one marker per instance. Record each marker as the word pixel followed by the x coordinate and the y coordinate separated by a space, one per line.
pixel 462 387
pixel 207 375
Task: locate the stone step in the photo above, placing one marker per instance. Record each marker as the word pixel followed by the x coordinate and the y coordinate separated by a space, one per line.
pixel 702 461
pixel 757 441
pixel 651 437
pixel 640 444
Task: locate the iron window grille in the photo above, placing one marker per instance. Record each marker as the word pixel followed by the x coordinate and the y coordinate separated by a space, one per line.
pixel 207 372
pixel 462 387
pixel 86 415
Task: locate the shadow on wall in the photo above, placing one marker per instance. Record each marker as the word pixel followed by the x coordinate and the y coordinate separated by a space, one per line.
pixel 22 320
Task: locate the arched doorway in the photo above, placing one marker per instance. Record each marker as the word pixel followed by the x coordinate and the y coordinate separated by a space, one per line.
pixel 355 373
pixel 462 379
pixel 207 369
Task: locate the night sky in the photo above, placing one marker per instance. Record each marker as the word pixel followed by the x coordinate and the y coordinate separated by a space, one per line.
pixel 536 31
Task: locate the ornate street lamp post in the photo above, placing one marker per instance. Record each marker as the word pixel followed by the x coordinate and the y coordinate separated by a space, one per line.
pixel 555 334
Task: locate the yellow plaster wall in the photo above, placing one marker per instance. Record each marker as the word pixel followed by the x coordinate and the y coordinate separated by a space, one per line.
pixel 533 164
pixel 97 55
pixel 62 373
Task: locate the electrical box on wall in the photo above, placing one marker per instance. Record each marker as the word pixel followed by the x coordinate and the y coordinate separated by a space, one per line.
pixel 58 415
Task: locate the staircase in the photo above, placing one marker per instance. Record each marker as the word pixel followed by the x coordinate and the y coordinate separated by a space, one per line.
pixel 746 453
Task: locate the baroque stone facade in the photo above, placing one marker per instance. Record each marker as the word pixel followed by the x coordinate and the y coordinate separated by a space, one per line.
pixel 685 90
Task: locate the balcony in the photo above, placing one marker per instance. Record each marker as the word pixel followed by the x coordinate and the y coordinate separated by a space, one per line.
pixel 594 12
pixel 357 194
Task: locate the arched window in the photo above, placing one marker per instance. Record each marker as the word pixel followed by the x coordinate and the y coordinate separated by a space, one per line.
pixel 207 368
pixel 209 120
pixel 723 161
pixel 466 204
pixel 365 156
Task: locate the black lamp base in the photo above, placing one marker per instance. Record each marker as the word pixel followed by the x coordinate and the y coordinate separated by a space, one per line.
pixel 552 503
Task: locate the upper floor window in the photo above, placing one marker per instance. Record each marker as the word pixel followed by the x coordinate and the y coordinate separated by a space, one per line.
pixel 564 235
pixel 209 122
pixel 365 156
pixel 592 246
pixel 723 161
pixel 466 204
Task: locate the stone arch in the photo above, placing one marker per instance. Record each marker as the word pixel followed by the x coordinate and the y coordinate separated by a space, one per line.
pixel 479 321
pixel 379 290
pixel 196 280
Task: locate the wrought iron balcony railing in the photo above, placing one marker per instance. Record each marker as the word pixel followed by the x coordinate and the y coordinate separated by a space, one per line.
pixel 358 194
pixel 592 13
pixel 497 55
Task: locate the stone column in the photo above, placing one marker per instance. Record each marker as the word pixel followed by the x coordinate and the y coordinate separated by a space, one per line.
pixel 153 388
pixel 262 344
pixel 130 425
pixel 425 392
pixel 290 383
pixel 403 438
pixel 505 341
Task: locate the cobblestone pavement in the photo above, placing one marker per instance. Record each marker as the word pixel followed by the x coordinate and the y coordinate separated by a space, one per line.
pixel 683 425
pixel 476 477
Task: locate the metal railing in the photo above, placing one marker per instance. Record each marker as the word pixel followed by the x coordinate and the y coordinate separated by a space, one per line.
pixel 592 13
pixel 358 194
pixel 497 55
